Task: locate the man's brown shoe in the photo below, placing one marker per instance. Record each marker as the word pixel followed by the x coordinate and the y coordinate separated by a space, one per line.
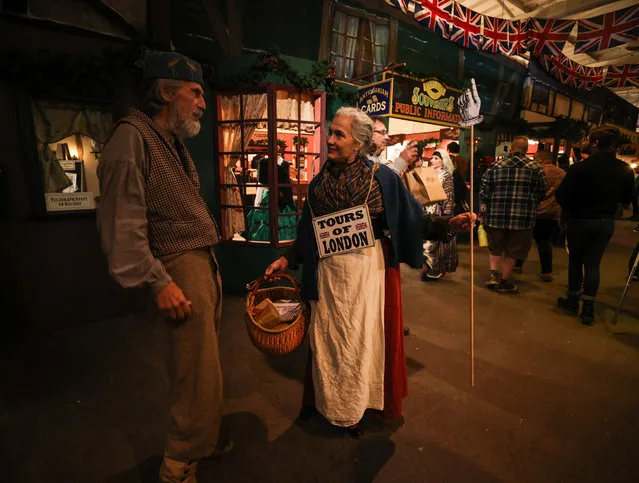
pixel 547 277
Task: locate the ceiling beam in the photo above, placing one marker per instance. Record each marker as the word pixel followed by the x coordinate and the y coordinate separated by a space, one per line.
pixel 114 17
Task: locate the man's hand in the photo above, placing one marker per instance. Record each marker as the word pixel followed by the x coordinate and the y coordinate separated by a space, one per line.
pixel 409 153
pixel 463 222
pixel 279 265
pixel 172 302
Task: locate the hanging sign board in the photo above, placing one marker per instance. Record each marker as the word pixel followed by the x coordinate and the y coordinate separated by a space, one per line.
pixel 375 99
pixel 344 231
pixel 70 201
pixel 424 100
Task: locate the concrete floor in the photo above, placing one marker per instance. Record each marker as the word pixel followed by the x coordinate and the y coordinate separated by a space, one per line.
pixel 553 401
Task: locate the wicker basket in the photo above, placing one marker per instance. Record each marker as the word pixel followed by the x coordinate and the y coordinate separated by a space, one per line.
pixel 285 337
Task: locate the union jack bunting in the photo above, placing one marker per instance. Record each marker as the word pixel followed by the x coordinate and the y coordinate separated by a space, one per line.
pixel 503 36
pixel 622 76
pixel 466 27
pixel 571 73
pixel 548 36
pixel 435 15
pixel 401 4
pixel 609 30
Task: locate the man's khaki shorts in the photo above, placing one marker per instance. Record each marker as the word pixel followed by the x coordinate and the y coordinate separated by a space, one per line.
pixel 510 243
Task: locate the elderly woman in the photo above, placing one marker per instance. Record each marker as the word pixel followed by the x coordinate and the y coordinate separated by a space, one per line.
pixel 441 256
pixel 346 288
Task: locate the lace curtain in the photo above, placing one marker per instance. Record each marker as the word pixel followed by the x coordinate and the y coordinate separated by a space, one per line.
pixel 254 108
pixel 54 122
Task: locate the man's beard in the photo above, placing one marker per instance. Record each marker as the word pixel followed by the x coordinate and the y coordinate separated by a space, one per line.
pixel 180 124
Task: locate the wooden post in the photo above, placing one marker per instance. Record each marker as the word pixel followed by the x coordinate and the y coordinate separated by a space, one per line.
pixel 472 258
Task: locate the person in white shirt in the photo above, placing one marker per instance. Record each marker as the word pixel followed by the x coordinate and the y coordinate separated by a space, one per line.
pixel 380 140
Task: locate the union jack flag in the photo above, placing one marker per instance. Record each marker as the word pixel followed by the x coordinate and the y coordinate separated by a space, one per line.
pixel 622 76
pixel 361 226
pixel 609 30
pixel 548 36
pixel 401 4
pixel 503 36
pixel 466 27
pixel 591 77
pixel 435 15
pixel 324 234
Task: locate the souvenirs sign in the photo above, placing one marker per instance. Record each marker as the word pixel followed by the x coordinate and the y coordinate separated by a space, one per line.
pixel 344 231
pixel 375 99
pixel 424 100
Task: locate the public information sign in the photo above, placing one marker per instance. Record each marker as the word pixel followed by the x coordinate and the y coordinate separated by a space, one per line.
pixel 344 231
pixel 375 99
pixel 424 100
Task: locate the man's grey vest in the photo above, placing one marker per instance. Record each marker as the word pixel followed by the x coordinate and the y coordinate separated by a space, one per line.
pixel 178 218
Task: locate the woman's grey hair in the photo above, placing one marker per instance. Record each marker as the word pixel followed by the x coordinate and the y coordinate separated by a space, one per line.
pixel 362 127
pixel 152 101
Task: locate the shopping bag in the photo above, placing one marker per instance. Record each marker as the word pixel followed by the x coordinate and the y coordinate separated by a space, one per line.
pixel 434 189
pixel 416 187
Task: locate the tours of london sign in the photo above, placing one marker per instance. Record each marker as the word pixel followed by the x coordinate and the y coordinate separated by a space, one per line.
pixel 424 100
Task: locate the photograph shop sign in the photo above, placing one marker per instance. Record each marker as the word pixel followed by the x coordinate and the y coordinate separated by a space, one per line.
pixel 344 231
pixel 424 100
pixel 70 201
pixel 375 99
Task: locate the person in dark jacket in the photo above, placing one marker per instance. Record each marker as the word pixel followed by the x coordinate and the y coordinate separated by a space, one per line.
pixel 590 195
pixel 459 179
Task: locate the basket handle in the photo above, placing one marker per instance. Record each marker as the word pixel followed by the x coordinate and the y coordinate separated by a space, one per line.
pixel 255 284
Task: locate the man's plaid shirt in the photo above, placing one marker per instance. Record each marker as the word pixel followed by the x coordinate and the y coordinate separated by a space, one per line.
pixel 511 189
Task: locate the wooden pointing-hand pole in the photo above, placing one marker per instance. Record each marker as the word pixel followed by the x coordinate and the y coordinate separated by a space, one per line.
pixel 472 257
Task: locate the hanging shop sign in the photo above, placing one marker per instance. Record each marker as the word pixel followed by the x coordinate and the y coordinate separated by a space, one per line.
pixel 375 99
pixel 424 100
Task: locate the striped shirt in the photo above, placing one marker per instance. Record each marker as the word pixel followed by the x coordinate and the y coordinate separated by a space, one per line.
pixel 511 189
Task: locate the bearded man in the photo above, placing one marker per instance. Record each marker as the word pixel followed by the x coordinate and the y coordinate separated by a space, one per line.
pixel 158 234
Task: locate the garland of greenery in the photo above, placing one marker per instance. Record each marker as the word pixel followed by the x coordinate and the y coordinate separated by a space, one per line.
pixel 322 76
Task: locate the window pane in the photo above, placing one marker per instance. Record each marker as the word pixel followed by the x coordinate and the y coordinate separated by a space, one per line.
pixel 337 48
pixel 353 26
pixel 339 67
pixel 228 108
pixel 382 33
pixel 577 111
pixel 562 105
pixel 339 22
pixel 255 106
pixel 349 68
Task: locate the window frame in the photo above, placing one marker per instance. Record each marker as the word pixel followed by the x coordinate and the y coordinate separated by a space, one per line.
pixel 330 7
pixel 270 89
pixel 34 170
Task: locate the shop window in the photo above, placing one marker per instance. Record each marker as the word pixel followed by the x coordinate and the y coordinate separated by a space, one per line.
pixel 594 115
pixel 540 98
pixel 358 42
pixel 271 139
pixel 562 105
pixel 69 139
pixel 577 110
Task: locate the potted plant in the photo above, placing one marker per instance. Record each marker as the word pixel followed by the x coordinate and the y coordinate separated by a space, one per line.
pixel 302 142
pixel 281 145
